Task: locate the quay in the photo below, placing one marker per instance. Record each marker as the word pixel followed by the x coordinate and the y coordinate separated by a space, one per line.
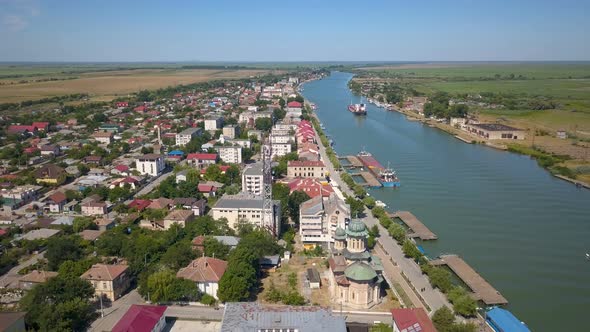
pixel 354 162
pixel 418 228
pixel 482 290
pixel 370 179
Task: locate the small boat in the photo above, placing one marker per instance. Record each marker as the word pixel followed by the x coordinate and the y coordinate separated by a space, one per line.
pixel 380 204
pixel 587 256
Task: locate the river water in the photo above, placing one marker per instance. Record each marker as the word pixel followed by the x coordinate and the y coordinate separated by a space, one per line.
pixel 523 230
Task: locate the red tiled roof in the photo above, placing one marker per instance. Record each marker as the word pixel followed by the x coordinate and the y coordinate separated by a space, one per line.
pixel 41 125
pixel 206 188
pixel 412 317
pixel 140 318
pixel 223 168
pixel 122 168
pixel 139 204
pixel 305 163
pixel 202 156
pixel 294 104
pixel 312 187
pixel 21 128
pixel 104 272
pixel 199 240
pixel 58 197
pixel 203 269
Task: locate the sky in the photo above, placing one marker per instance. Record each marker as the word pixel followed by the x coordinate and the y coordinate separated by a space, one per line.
pixel 302 30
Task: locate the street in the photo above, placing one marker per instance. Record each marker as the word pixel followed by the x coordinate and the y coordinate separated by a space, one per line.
pixel 10 278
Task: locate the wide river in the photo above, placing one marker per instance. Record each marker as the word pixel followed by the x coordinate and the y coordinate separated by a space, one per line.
pixel 522 229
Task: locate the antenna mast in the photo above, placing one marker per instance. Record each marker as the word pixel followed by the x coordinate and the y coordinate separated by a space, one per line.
pixel 267 204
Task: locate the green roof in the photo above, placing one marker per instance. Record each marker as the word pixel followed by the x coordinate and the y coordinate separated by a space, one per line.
pixel 357 228
pixel 359 271
pixel 340 234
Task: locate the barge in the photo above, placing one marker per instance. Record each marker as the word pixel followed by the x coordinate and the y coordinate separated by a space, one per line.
pixel 386 176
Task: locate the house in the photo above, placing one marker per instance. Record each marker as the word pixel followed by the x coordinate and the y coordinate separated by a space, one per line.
pixel 306 169
pixel 40 234
pixel 411 320
pixel 201 160
pixel 150 164
pixel 561 134
pixel 93 160
pixel 122 104
pixel 50 174
pixel 94 208
pixel 34 278
pixel 139 204
pixel 21 129
pixel 185 136
pixel 231 131
pixel 270 263
pixel 12 321
pixel 193 204
pixel 90 234
pixel 212 123
pixel 495 131
pixel 110 127
pixel 41 126
pixel 253 316
pixel 142 318
pixel 181 176
pixel 253 179
pixel 313 277
pixel 104 137
pixel 245 207
pixel 121 170
pixel 110 281
pixel 230 154
pixel 56 202
pixel 180 217
pixel 161 203
pixel 311 186
pixel 209 188
pixel 50 150
pixel 104 224
pixel 294 106
pixel 205 272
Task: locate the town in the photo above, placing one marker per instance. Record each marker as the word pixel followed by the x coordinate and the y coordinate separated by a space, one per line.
pixel 216 206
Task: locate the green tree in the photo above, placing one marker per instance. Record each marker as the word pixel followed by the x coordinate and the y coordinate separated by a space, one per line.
pixel 396 231
pixel 293 298
pixel 214 248
pixel 178 255
pixel 264 124
pixel 356 206
pixel 369 202
pixel 61 249
pixel 410 249
pixel 82 223
pixel 159 285
pixel 443 319
pixel 213 173
pixel 295 199
pixel 74 269
pixel 233 288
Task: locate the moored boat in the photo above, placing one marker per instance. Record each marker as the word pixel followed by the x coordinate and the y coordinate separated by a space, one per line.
pixel 357 109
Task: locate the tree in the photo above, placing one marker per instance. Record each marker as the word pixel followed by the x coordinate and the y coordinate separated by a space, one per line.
pixel 396 231
pixel 369 202
pixel 60 304
pixel 264 124
pixel 159 285
pixel 82 223
pixel 359 191
pixel 178 255
pixel 61 249
pixel 356 206
pixel 233 288
pixel 293 298
pixel 443 319
pixel 213 173
pixel 214 248
pixel 440 278
pixel 410 249
pixel 295 199
pixel 71 269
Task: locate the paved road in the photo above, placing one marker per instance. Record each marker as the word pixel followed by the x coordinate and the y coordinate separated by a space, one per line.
pixel 10 278
pixel 113 313
pixel 150 186
pixel 434 298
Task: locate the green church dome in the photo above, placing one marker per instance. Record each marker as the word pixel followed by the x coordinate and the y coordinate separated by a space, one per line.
pixel 357 228
pixel 359 271
pixel 340 234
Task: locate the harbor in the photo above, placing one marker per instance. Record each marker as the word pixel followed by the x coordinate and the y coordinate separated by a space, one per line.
pixel 482 290
pixel 373 174
pixel 462 193
pixel 419 230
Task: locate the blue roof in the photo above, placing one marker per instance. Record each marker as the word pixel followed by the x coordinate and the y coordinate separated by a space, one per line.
pixel 175 153
pixel 504 321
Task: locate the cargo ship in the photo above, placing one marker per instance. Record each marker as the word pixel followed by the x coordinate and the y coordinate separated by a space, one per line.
pixel 386 176
pixel 357 109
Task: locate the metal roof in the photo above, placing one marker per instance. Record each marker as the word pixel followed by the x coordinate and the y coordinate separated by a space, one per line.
pixel 504 320
pixel 251 316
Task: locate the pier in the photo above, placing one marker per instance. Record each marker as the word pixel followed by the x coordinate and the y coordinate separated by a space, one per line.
pixel 354 162
pixel 481 289
pixel 419 230
pixel 370 179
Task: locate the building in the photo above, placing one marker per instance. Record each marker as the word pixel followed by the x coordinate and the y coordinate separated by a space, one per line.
pixel 35 278
pixel 306 169
pixel 319 218
pixel 110 281
pixel 142 318
pixel 104 137
pixel 412 320
pixel 313 276
pixel 312 187
pixel 213 123
pixel 496 131
pixel 355 275
pixel 253 316
pixel 281 149
pixel 561 134
pixel 180 217
pixel 205 272
pixel 281 139
pixel 201 160
pixel 50 174
pixel 197 206
pixel 230 154
pixel 12 321
pixel 231 131
pixel 94 208
pixel 150 164
pixel 245 207
pixel 253 179
pixel 50 150
pixel 56 202
pixel 503 320
pixel 39 234
pixel 230 241
pixel 185 136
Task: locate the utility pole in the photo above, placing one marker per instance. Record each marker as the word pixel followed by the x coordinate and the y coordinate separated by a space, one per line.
pixel 101 309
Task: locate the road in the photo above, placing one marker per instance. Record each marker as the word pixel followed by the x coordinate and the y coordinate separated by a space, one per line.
pixel 117 309
pixel 150 186
pixel 433 297
pixel 10 278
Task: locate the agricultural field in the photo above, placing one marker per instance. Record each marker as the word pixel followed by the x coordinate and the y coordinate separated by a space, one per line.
pixel 101 83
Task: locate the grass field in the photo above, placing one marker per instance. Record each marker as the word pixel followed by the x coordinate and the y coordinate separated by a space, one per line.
pixel 105 85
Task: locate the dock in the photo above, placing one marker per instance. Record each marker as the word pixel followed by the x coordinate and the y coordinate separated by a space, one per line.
pixel 354 162
pixel 419 230
pixel 481 289
pixel 370 179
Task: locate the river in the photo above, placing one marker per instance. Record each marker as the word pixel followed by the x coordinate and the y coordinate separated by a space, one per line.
pixel 523 230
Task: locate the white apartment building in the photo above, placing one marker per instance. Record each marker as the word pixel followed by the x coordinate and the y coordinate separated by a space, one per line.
pixel 185 136
pixel 213 123
pixel 281 149
pixel 281 139
pixel 319 218
pixel 230 154
pixel 150 164
pixel 253 179
pixel 231 131
pixel 245 207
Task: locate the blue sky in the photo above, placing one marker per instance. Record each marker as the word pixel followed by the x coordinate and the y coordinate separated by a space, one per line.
pixel 319 30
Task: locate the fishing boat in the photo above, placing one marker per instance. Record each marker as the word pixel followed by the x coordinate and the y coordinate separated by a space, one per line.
pixel 388 178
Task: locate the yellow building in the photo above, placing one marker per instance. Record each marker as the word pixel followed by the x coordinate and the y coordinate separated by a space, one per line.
pixel 50 174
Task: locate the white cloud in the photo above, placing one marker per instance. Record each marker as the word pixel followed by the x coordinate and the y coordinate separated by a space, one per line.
pixel 14 22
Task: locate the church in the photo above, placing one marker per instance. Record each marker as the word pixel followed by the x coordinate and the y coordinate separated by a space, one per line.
pixel 355 274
